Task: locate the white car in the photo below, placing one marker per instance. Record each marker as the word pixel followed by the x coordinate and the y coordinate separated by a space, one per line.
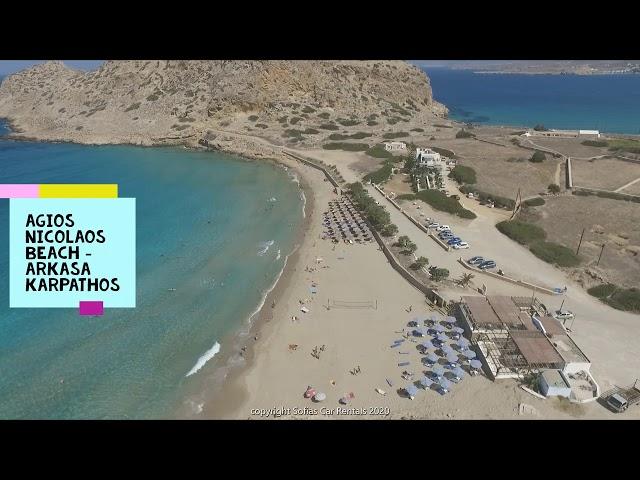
pixel 461 245
pixel 442 228
pixel 433 225
pixel 563 315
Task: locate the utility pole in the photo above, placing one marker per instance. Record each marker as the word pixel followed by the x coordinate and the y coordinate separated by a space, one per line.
pixel 602 250
pixel 580 243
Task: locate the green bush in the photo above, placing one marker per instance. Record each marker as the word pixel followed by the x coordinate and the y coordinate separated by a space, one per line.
pixel 462 174
pixel 627 300
pixel 521 232
pixel 355 136
pixel 553 188
pixel 390 135
pixel 253 118
pixel 500 202
pixel 329 126
pixel 346 122
pixel 349 147
pixel 417 129
pixel 554 253
pixel 538 157
pixel 595 143
pixel 464 134
pixel 389 230
pixel 152 98
pixel 310 131
pixel 308 109
pixel 534 202
pixel 381 175
pixel 372 123
pixel 295 120
pixel 438 274
pixel 378 151
pixel 602 291
pixel 439 201
pixel 261 125
pixel 324 115
pixel 133 106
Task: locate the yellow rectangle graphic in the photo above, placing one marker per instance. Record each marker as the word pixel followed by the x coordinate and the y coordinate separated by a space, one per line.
pixel 86 190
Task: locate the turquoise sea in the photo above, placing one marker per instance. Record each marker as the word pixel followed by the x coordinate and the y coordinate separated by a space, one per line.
pixel 215 228
pixel 609 103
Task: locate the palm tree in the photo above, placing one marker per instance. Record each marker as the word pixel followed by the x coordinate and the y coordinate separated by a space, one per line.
pixel 465 279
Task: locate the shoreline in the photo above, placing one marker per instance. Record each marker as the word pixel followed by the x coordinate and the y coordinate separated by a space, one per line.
pixel 227 396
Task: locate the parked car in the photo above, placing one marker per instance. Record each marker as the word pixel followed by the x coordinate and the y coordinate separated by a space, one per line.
pixel 433 225
pixel 563 315
pixel 475 260
pixel 461 245
pixel 442 228
pixel 454 240
pixel 487 264
pixel 446 234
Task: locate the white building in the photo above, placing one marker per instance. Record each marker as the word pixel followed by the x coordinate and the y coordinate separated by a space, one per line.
pixel 563 133
pixel 589 133
pixel 425 157
pixel 395 146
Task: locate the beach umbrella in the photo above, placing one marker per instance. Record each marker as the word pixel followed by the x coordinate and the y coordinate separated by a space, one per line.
pixel 439 328
pixel 319 397
pixel 446 349
pixel 426 382
pixel 427 345
pixel 458 330
pixel 419 332
pixel 469 354
pixel 438 370
pixel 411 390
pixel 432 358
pixel 463 342
pixel 452 358
pixel 442 337
pixel 444 383
pixel 449 320
pixel 458 372
pixel 475 364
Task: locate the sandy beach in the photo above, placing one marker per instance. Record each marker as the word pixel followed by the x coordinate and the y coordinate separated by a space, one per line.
pixel 279 365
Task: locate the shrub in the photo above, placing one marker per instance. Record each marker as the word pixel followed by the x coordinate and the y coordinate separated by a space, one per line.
pixel 521 232
pixel 349 147
pixel 390 135
pixel 356 136
pixel 389 230
pixel 292 132
pixel 462 174
pixel 310 131
pixel 346 122
pixel 553 188
pixel 253 118
pixel 417 129
pixel 595 143
pixel 438 274
pixel 324 115
pixel 295 120
pixel 378 151
pixel 420 262
pixel 381 175
pixel 627 300
pixel 540 128
pixel 554 253
pixel 371 123
pixel 261 125
pixel 439 201
pixel 534 202
pixel 152 98
pixel 133 106
pixel 308 109
pixel 538 157
pixel 329 126
pixel 464 134
pixel 602 291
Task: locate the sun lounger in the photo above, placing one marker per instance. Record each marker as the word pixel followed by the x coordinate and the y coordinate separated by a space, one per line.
pixel 304 310
pixel 389 382
pixel 404 364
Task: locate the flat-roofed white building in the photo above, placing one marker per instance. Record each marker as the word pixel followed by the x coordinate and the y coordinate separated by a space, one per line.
pixel 395 146
pixel 589 133
pixel 425 157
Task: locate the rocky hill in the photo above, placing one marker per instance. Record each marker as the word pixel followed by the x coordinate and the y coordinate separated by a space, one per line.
pixel 155 102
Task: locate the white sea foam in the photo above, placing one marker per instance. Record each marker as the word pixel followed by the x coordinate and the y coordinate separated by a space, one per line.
pixel 264 247
pixel 278 255
pixel 273 199
pixel 204 358
pixel 304 204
